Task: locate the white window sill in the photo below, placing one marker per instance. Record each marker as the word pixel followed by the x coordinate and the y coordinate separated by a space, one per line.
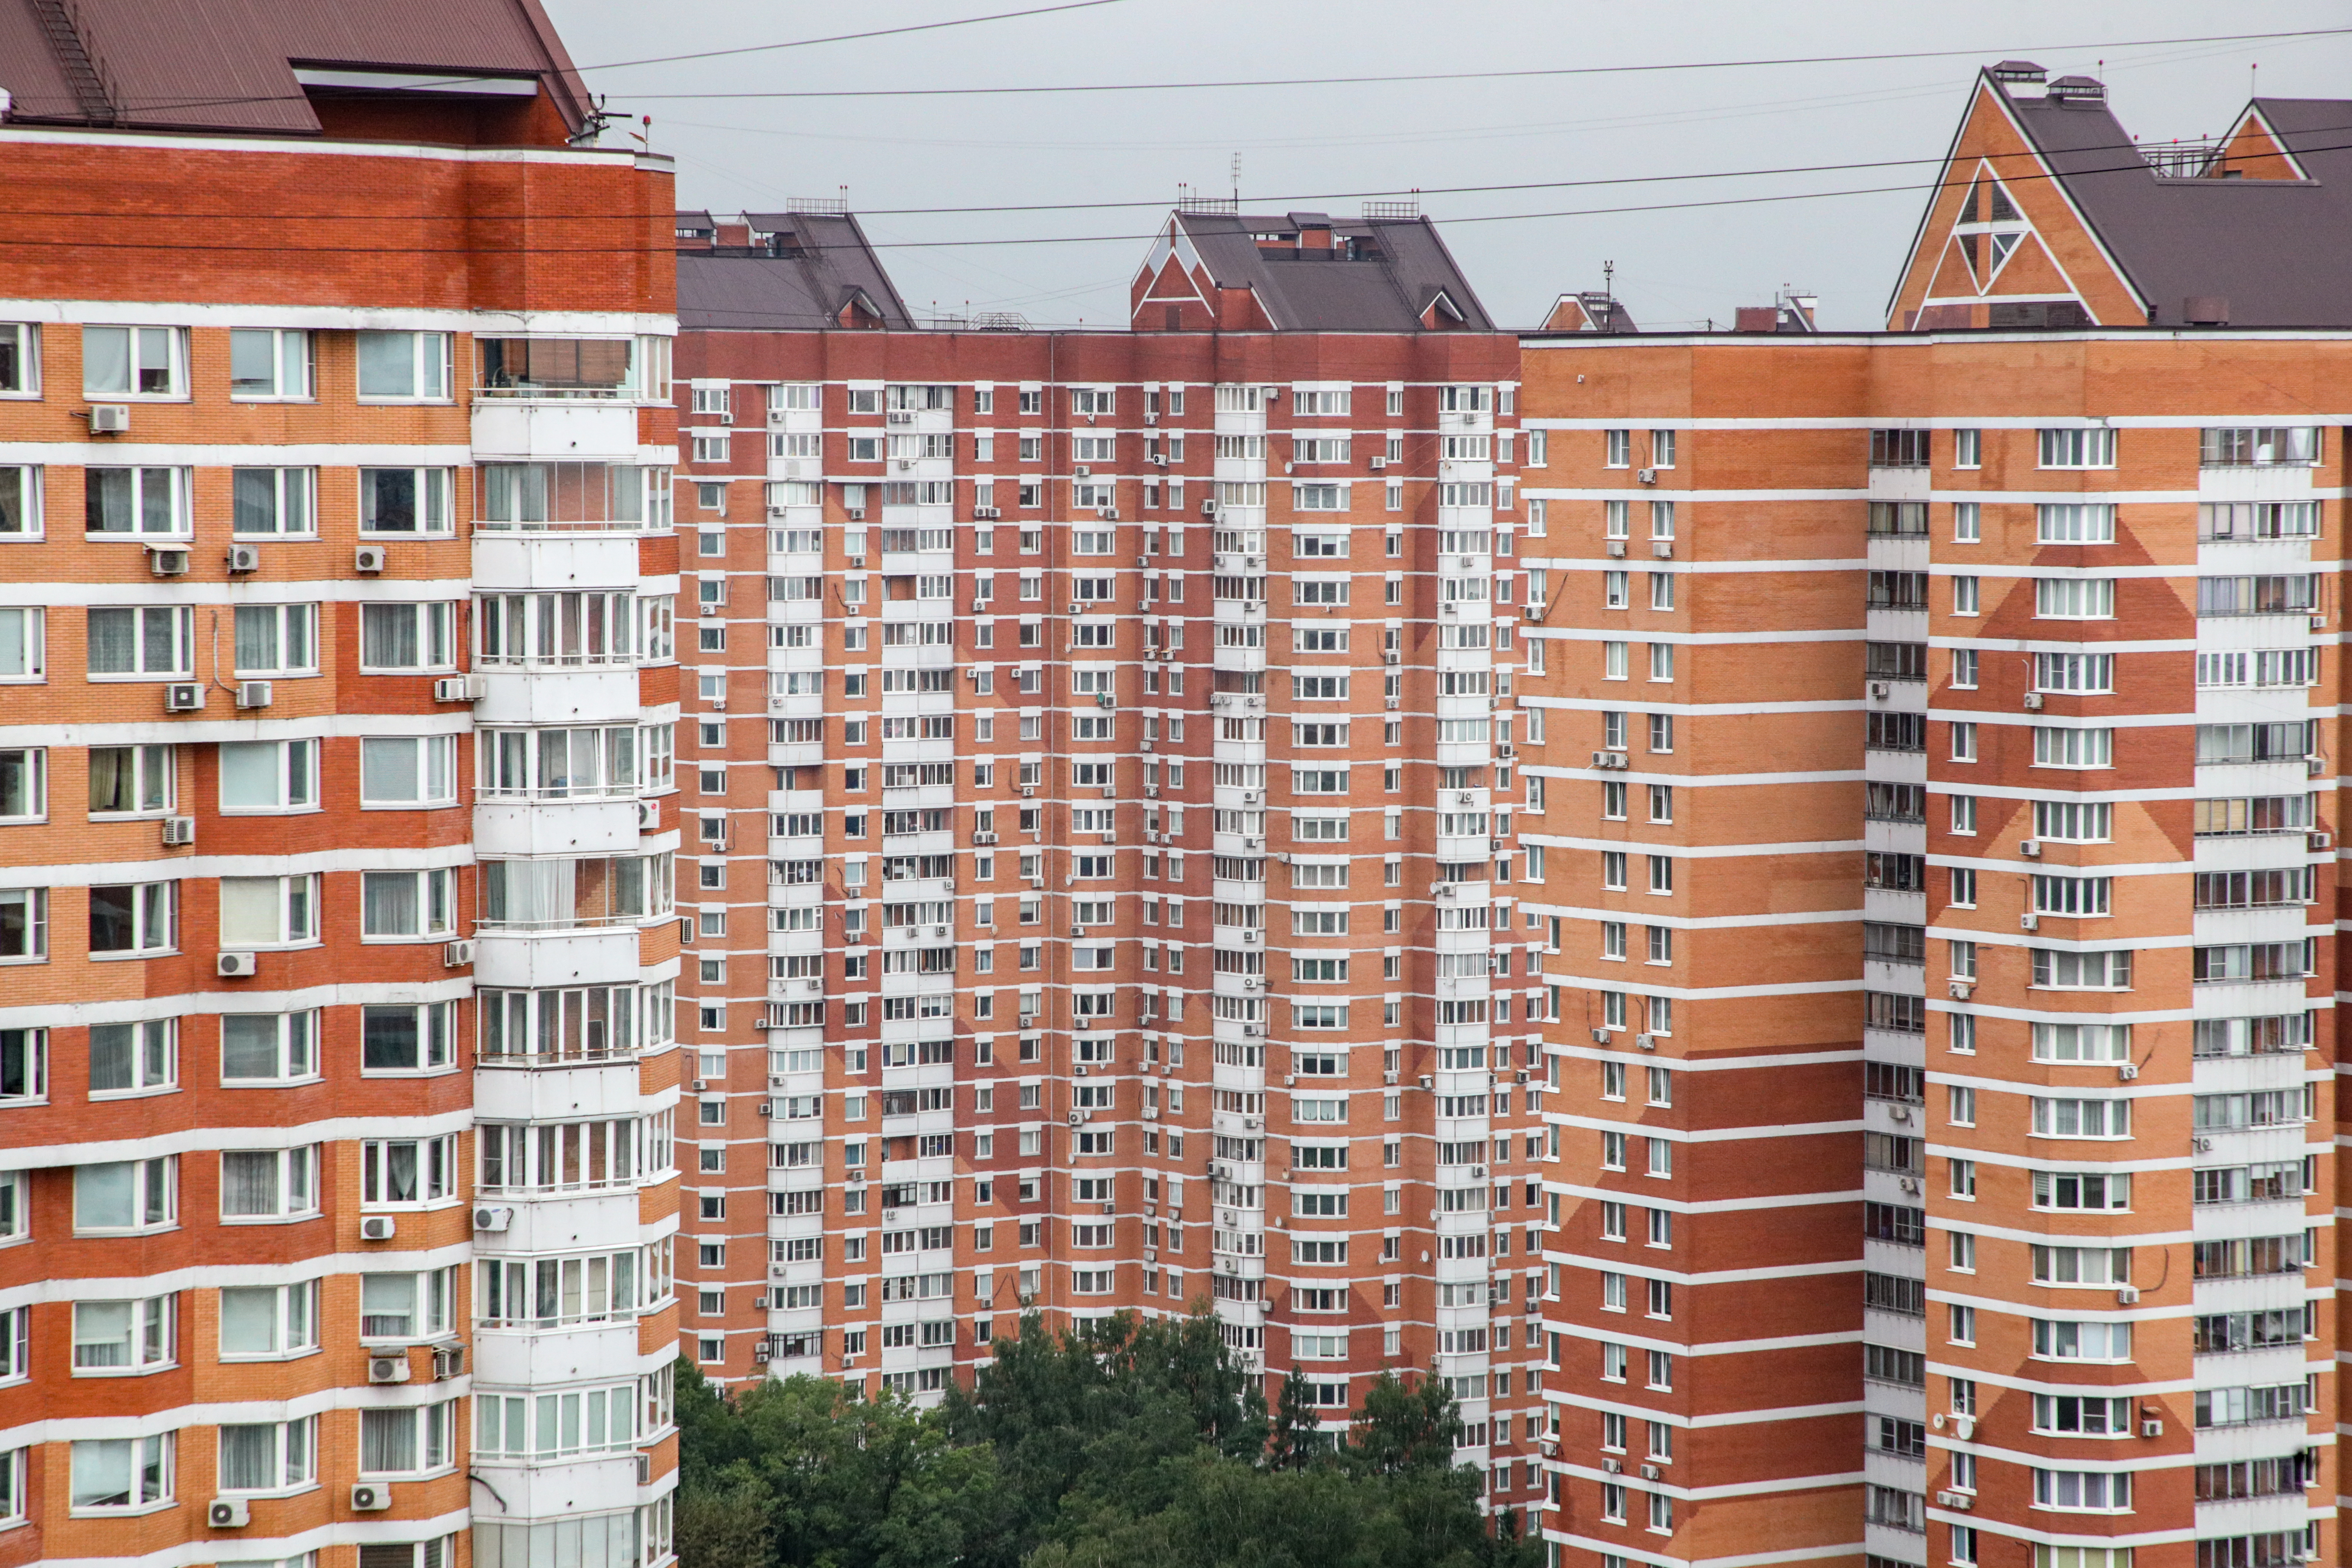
pixel 122 1513
pixel 134 955
pixel 144 1091
pixel 267 1219
pixel 271 1082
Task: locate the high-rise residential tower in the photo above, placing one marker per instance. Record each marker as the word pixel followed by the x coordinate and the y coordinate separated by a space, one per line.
pixel 336 1193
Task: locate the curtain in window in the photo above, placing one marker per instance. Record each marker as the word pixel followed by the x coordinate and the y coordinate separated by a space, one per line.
pixel 113 648
pixel 389 903
pixel 387 1441
pixel 248 1459
pixel 250 1182
pixel 388 636
pixel 528 892
pixel 250 910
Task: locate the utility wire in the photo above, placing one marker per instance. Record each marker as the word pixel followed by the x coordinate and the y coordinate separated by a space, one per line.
pixel 1465 76
pixel 1281 202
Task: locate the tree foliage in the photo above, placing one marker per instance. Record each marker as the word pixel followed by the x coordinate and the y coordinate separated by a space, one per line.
pixel 1119 1442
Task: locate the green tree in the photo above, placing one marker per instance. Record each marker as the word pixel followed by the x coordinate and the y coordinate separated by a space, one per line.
pixel 1403 1428
pixel 1297 1440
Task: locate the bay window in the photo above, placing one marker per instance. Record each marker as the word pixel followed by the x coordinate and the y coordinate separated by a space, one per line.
pixel 124 1336
pixel 396 905
pixel 268 1322
pixel 268 776
pixel 269 1047
pixel 407 1038
pixel 269 911
pixel 405 1305
pixel 269 1183
pixel 121 1474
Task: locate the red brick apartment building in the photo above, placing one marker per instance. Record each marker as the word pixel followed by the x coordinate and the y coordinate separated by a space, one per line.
pixel 336 1058
pixel 1942 1075
pixel 1100 762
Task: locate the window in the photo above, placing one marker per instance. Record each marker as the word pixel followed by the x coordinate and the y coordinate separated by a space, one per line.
pixel 2078 449
pixel 20 376
pixel 268 363
pixel 120 1474
pixel 405 501
pixel 2294 446
pixel 1968 449
pixel 23 783
pixel 1617 448
pixel 408 771
pixel 407 1038
pixel 277 639
pixel 2075 523
pixel 400 1172
pixel 24 641
pixel 269 1047
pixel 271 1455
pixel 405 1305
pixel 266 1321
pixel 134 362
pixel 24 1080
pixel 410 1441
pixel 2057 748
pixel 133 1057
pixel 269 911
pixel 269 1183
pixel 275 502
pixel 412 366
pixel 149 502
pixel 2075 598
pixel 24 923
pixel 2081 1118
pixel 134 918
pixel 408 636
pixel 124 1336
pixel 407 904
pixel 268 776
pixel 127 781
pixel 1898 449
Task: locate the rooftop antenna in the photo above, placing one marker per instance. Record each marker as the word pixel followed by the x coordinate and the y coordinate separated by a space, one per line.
pixel 2253 79
pixel 1238 182
pixel 1608 296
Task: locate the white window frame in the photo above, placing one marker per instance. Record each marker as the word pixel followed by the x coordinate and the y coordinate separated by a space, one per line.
pixel 149 1337
pixel 181 618
pixel 432 759
pixel 294 1179
pixel 293 1460
pixel 287 625
pixel 432 896
pixel 429 372
pixel 28 483
pixel 431 1311
pixel 148 764
pixel 296 1043
pixel 288 349
pixel 431 1438
pixel 432 1167
pixel 29 1047
pixel 137 344
pixel 435 633
pixel 145 897
pixel 297 901
pixel 434 488
pixel 32 925
pixel 179 525
pixel 154 1058
pixel 24 645
pixel 293 498
pixel 154 1453
pixel 436 1036
pixel 29 768
pixel 25 339
pixel 293 1321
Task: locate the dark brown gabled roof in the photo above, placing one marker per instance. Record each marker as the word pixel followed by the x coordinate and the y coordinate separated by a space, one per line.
pixel 2275 250
pixel 232 65
pixel 803 272
pixel 1399 269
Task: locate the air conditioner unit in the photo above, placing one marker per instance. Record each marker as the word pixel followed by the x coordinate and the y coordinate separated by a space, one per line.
pixel 2030 849
pixel 1378 463
pixel 456 954
pixel 1250 935
pixel 1909 1184
pixel 378 1228
pixel 449 1362
pixel 1663 548
pixel 371 1496
pixel 1426 1080
pixel 368 558
pixel 1959 1502
pixel 244 558
pixel 1208 509
pixel 1600 1037
pixel 2315 842
pixel 899 416
pixel 1616 549
pixel 1082 471
pixel 2151 1428
pixel 1250 797
pixel 179 830
pixel 1390 657
pixel 983 837
pixel 1532 612
pixel 388 1367
pixel 856 515
pixel 457 688
pixel 646 1462
pixel 1613 1467
pixel 1645 1042
pixel 110 418
pixel 184 697
pixel 1077 609
pixel 1648 1472
pixel 1109 514
pixel 2029 923
pixel 2202 1145
pixel 1878 691
pixel 228 1513
pixel 167 563
pixel 1900 1115
pixel 2315 765
pixel 1960 989
pixel 648 816
pixel 1027 791
pixel 2126 1294
pixel 2033 702
pixel 235 966
pixel 1646 476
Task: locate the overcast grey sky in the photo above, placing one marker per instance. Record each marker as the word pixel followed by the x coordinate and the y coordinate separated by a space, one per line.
pixel 1316 146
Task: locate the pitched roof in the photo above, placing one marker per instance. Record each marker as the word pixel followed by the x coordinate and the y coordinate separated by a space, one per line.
pixel 232 65
pixel 801 272
pixel 1377 275
pixel 2177 230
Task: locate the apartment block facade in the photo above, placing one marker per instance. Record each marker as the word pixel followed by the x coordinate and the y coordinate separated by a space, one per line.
pixel 1104 756
pixel 336 1072
pixel 1935 811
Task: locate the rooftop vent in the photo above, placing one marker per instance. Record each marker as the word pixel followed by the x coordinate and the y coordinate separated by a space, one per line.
pixel 2078 90
pixel 2206 310
pixel 2019 71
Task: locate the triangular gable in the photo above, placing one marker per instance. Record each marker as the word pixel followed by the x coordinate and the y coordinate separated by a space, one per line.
pixel 2252 151
pixel 1993 164
pixel 1440 311
pixel 858 310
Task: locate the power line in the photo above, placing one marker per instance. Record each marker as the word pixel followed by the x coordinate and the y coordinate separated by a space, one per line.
pixel 380 216
pixel 2013 178
pixel 851 38
pixel 1467 76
